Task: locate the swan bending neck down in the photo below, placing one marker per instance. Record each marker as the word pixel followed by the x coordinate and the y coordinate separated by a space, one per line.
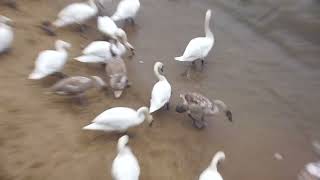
pixel 207 29
pixel 218 157
pixel 62 45
pixel 159 67
pixel 143 113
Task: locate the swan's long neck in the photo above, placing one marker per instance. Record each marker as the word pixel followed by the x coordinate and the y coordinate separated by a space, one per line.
pixel 225 109
pixel 219 156
pixel 99 82
pixel 142 114
pixel 207 29
pixel 157 73
pixel 61 48
pixel 122 143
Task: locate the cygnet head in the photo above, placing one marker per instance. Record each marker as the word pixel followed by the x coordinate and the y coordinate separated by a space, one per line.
pixel 62 44
pixel 118 83
pixel 182 106
pixel 100 84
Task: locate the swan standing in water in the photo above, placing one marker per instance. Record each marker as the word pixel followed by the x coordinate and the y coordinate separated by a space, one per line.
pixel 51 61
pixel 125 166
pixel 76 86
pixel 200 106
pixel 161 91
pixel 76 13
pixel 6 34
pixel 107 26
pixel 198 48
pixel 126 10
pixel 120 119
pixel 211 173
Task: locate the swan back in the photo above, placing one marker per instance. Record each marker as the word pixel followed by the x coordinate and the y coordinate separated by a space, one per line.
pixel 107 26
pixel 126 9
pixel 72 85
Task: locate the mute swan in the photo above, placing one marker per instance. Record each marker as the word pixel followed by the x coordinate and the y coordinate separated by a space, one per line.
pixel 211 173
pixel 125 166
pixel 76 86
pixel 198 48
pixel 101 52
pixel 75 13
pixel 107 26
pixel 161 91
pixel 198 105
pixel 119 119
pixel 127 9
pixel 6 34
pixel 50 61
pixel 117 72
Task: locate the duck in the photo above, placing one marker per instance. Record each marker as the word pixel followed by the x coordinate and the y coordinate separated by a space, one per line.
pixel 75 13
pixel 197 104
pixel 199 48
pixel 76 86
pixel 120 119
pixel 126 10
pixel 125 166
pixel 118 79
pixel 6 34
pixel 161 91
pixel 212 173
pixel 109 28
pixel 51 61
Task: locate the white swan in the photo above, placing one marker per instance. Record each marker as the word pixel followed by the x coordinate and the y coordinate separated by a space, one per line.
pixel 101 52
pixel 211 173
pixel 76 13
pixel 119 119
pixel 198 48
pixel 125 166
pixel 6 34
pixel 161 91
pixel 107 26
pixel 50 61
pixel 127 9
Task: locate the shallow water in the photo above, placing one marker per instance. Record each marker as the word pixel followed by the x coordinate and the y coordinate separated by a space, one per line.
pixel 272 92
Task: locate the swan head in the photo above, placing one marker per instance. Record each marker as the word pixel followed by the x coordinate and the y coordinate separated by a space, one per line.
pixel 122 37
pixel 5 20
pixel 62 44
pixel 99 82
pixel 182 106
pixel 118 83
pixel 159 66
pixel 148 116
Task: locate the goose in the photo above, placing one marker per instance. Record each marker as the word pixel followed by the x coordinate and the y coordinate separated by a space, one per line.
pixel 76 86
pixel 125 166
pixel 198 48
pixel 161 91
pixel 51 61
pixel 107 26
pixel 198 105
pixel 127 9
pixel 117 72
pixel 75 13
pixel 6 34
pixel 212 173
pixel 119 119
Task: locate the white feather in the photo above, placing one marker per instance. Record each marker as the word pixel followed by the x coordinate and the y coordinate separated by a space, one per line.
pixel 119 119
pixel 161 91
pixel 126 9
pixel 125 166
pixel 6 35
pixel 76 13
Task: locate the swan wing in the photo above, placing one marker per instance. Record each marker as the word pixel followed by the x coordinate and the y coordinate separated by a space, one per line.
pixel 107 26
pixel 160 95
pixel 197 48
pixel 126 9
pixel 6 38
pixel 125 166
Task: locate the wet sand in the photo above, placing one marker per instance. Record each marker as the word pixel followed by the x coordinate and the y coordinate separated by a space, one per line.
pixel 273 96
